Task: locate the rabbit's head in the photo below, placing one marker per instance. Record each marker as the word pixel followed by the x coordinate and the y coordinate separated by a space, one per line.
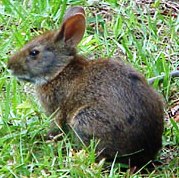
pixel 43 58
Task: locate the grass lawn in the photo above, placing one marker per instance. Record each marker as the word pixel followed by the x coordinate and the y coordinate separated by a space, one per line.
pixel 145 35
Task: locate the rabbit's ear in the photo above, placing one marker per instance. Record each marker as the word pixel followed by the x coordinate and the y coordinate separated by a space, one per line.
pixel 72 11
pixel 73 26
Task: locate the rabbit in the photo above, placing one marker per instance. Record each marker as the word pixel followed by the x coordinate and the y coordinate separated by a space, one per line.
pixel 105 99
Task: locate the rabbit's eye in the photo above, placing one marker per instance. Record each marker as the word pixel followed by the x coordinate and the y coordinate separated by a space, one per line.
pixel 34 52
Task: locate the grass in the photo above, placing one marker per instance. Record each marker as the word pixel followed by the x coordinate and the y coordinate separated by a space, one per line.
pixel 115 28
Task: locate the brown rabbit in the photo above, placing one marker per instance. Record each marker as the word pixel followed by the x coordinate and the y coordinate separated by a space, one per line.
pixel 105 99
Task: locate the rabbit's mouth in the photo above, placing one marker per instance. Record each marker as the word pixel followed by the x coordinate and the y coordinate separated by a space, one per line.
pixel 30 78
pixel 33 80
pixel 23 77
pixel 26 79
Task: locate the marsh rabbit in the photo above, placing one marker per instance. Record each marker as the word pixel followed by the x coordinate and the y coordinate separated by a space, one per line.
pixel 104 99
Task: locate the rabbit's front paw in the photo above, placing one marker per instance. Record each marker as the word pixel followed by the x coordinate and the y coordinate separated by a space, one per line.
pixel 54 135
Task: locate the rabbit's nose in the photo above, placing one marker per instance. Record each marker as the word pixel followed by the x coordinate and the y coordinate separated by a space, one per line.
pixel 8 66
pixel 12 66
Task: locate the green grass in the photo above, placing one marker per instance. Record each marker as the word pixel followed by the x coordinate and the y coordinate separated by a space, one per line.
pixel 120 28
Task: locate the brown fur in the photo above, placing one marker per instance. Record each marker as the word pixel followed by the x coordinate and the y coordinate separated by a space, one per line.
pixel 105 99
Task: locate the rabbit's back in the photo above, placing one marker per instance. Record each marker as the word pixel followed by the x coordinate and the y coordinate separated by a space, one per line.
pixel 112 102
